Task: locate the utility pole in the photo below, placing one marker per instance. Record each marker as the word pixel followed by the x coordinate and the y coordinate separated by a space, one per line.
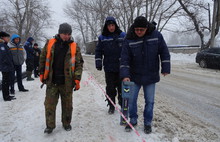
pixel 146 9
pixel 215 22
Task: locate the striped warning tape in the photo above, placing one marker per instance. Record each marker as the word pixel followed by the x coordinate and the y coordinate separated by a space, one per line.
pixel 91 78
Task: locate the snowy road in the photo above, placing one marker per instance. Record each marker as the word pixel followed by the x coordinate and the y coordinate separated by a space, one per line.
pixel 187 102
pixel 195 91
pixel 186 110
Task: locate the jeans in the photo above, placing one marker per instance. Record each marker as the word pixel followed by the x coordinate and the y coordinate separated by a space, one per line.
pixel 149 93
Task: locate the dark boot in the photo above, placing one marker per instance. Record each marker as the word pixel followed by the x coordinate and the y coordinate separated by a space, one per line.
pixel 111 109
pixel 29 78
pixel 128 128
pixel 147 129
pixel 48 130
pixel 68 127
pixel 23 90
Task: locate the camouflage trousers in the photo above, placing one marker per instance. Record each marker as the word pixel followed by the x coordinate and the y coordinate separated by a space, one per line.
pixel 52 95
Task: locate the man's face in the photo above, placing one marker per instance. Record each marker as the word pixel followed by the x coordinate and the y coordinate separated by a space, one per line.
pixel 111 28
pixel 140 32
pixel 35 46
pixel 16 40
pixel 6 39
pixel 65 37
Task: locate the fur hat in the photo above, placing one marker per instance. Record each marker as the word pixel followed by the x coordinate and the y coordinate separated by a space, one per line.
pixel 65 28
pixel 4 34
pixel 141 22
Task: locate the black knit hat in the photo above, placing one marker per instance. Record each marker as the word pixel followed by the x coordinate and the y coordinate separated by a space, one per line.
pixel 4 34
pixel 65 29
pixel 141 22
pixel 35 44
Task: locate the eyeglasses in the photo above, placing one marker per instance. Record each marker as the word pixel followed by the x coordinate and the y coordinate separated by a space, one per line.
pixel 141 30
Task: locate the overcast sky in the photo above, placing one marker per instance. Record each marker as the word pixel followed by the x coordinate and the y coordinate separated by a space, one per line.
pixel 58 15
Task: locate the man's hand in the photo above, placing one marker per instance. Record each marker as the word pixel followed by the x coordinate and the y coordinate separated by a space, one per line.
pixel 77 86
pixel 42 78
pixel 126 79
pixel 164 74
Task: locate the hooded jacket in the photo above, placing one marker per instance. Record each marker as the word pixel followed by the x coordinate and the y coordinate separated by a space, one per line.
pixel 141 57
pixel 108 49
pixel 17 51
pixel 6 63
pixel 29 49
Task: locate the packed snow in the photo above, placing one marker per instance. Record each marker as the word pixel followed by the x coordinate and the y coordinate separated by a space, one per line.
pixel 23 119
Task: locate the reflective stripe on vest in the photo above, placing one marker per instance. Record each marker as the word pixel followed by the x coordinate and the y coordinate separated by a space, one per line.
pixel 48 57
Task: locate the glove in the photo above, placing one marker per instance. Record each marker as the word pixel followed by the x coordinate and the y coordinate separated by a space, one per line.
pixel 42 78
pixel 77 86
pixel 99 69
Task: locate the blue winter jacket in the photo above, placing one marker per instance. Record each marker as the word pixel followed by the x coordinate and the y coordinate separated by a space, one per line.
pixel 141 57
pixel 29 49
pixel 6 62
pixel 108 49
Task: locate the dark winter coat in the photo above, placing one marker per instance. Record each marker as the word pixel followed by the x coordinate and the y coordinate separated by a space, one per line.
pixel 141 57
pixel 17 51
pixel 6 62
pixel 37 56
pixel 108 49
pixel 29 49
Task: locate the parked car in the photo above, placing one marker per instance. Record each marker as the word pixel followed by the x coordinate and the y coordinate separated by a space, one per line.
pixel 208 58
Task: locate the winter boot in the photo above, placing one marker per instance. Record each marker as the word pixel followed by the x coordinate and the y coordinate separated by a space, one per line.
pixel 128 128
pixel 23 90
pixel 147 129
pixel 111 109
pixel 48 130
pixel 68 127
pixel 29 78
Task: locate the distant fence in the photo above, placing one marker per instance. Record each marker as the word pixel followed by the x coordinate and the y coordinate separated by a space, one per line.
pixel 186 49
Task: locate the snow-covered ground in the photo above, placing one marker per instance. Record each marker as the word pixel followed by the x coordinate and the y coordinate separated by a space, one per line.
pixel 23 119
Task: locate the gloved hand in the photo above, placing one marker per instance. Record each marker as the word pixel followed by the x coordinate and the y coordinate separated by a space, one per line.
pixel 77 86
pixel 42 78
pixel 99 69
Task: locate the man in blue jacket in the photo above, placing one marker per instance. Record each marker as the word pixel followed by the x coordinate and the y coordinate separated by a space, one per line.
pixel 107 54
pixel 6 65
pixel 143 51
pixel 18 55
pixel 30 57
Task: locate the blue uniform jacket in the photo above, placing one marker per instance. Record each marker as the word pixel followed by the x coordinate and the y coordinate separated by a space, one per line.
pixel 29 49
pixel 141 58
pixel 108 51
pixel 6 62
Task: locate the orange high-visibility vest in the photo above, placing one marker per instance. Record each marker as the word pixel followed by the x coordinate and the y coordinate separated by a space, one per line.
pixel 48 57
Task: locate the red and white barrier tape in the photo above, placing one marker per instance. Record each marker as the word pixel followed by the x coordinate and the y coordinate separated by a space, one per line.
pixel 91 78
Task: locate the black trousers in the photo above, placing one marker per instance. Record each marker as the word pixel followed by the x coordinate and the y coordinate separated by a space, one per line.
pixel 5 85
pixel 30 65
pixel 36 66
pixel 113 86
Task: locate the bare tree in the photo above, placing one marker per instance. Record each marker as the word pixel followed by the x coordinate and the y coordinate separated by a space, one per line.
pixel 89 16
pixel 196 12
pixel 28 17
pixel 215 22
